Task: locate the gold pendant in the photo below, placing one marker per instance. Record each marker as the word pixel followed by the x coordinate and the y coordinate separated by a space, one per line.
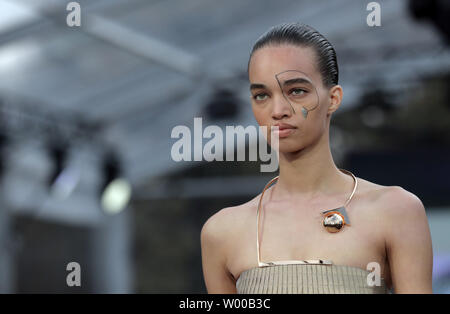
pixel 335 219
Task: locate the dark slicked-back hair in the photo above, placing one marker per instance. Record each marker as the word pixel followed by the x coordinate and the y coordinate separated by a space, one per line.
pixel 303 35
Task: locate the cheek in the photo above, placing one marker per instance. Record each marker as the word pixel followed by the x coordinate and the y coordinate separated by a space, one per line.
pixel 262 118
pixel 260 114
pixel 314 126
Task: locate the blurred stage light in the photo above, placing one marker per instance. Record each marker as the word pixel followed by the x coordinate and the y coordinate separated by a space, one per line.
pixel 223 104
pixel 58 155
pixel 62 179
pixel 116 196
pixel 65 183
pixel 116 191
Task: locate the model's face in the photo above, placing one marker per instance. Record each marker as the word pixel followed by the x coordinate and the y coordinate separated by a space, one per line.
pixel 286 87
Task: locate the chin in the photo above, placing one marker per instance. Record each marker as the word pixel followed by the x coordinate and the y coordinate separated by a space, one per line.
pixel 289 146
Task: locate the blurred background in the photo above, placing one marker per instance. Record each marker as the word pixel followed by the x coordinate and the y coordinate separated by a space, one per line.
pixel 86 115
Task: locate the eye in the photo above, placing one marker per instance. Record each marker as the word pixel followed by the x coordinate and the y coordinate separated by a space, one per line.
pixel 297 91
pixel 260 96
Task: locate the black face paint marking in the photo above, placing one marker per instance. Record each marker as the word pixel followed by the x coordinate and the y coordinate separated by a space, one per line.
pixel 296 77
pixel 281 88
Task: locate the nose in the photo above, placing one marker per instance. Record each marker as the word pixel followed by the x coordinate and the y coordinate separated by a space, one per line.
pixel 281 108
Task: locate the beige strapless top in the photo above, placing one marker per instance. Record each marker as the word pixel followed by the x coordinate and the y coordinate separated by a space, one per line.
pixel 306 279
pixel 309 276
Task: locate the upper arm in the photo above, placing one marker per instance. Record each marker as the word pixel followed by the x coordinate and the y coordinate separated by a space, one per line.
pixel 408 243
pixel 213 248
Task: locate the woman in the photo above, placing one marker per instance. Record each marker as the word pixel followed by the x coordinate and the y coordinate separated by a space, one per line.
pixel 318 229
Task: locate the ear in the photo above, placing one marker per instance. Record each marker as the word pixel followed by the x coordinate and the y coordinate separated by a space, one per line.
pixel 335 97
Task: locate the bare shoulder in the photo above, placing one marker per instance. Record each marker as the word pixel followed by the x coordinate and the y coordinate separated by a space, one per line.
pixel 228 223
pixel 392 200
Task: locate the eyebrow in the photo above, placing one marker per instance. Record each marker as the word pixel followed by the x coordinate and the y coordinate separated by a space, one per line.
pixel 296 81
pixel 285 83
pixel 257 86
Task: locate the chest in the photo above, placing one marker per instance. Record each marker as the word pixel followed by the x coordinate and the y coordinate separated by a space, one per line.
pixel 300 234
pixel 288 232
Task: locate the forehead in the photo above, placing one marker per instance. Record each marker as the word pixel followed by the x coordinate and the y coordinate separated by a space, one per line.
pixel 269 61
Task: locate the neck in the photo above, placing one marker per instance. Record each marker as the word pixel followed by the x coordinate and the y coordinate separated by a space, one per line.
pixel 311 172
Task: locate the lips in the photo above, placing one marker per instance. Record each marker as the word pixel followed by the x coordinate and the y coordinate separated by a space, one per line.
pixel 284 129
pixel 283 126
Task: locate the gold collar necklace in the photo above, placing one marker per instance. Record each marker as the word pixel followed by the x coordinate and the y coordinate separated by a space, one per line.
pixel 334 219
